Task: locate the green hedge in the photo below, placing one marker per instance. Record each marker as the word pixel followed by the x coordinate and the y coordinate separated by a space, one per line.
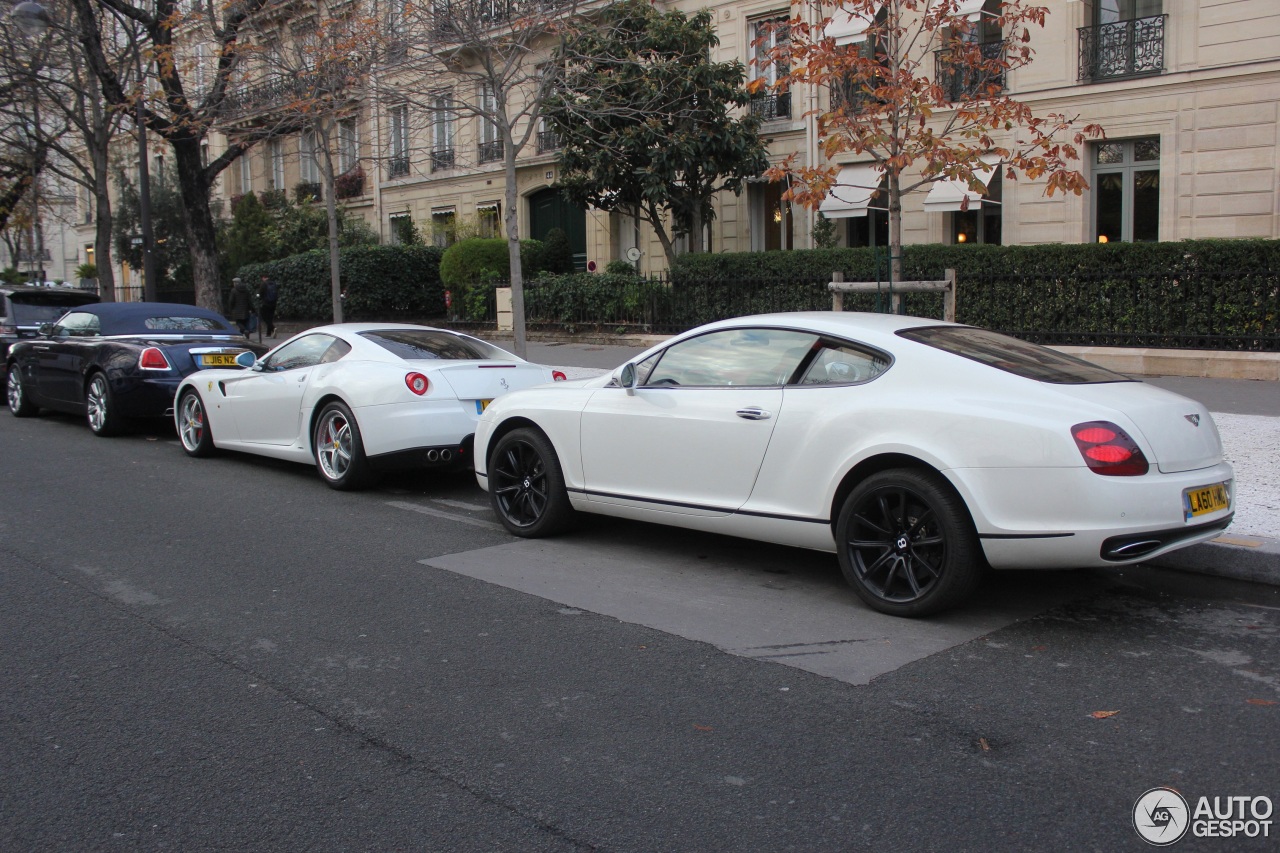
pixel 381 282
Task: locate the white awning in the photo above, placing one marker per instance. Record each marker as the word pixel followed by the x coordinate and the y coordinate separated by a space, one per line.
pixel 851 194
pixel 971 9
pixel 849 26
pixel 948 195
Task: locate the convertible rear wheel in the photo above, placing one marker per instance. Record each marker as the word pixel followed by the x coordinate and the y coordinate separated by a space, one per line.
pixel 907 544
pixel 338 449
pixel 526 485
pixel 193 425
pixel 100 407
pixel 19 403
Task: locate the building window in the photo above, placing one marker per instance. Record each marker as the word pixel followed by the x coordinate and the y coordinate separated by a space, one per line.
pixel 488 220
pixel 490 143
pixel 771 217
pixel 398 117
pixel 90 255
pixel 400 226
pixel 246 173
pixel 1126 40
pixel 275 150
pixel 768 35
pixel 348 145
pixel 1126 190
pixel 308 166
pixel 442 151
pixel 982 222
pixel 871 230
pixel 444 227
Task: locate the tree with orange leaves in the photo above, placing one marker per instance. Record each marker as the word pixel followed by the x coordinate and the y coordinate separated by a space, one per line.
pixel 917 87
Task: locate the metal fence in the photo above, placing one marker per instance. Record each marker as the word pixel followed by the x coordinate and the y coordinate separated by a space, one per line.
pixel 1208 310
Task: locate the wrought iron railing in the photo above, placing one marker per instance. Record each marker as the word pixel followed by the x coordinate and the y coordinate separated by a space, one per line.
pixel 1122 49
pixel 850 95
pixel 398 167
pixel 490 151
pixel 331 80
pixel 549 140
pixel 442 158
pixel 961 81
pixel 463 17
pixel 772 106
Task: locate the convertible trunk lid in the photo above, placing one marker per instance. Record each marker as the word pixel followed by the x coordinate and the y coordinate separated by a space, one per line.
pixel 1180 431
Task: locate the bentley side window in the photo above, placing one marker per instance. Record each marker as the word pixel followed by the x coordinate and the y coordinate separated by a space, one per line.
pixel 733 357
pixel 837 364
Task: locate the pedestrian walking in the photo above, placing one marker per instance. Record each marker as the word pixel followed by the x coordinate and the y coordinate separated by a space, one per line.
pixel 268 295
pixel 240 306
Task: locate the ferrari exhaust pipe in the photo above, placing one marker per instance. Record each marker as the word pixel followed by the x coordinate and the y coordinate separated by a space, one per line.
pixel 446 455
pixel 433 455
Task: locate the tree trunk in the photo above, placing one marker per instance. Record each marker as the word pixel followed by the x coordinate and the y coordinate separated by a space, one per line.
pixel 331 214
pixel 895 226
pixel 201 232
pixel 102 227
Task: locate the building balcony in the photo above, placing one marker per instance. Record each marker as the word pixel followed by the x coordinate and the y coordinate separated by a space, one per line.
pixel 338 80
pixel 1123 49
pixel 443 158
pixel 772 107
pixel 961 81
pixel 304 190
pixel 398 167
pixel 490 152
pixel 549 140
pixel 349 184
pixel 460 19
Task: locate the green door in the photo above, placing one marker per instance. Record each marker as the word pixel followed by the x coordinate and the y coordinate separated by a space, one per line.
pixel 547 210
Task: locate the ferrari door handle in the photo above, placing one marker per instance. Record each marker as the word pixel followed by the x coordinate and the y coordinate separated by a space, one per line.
pixel 754 413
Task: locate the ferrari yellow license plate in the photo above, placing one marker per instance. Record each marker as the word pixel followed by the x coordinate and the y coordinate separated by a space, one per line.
pixel 481 405
pixel 1203 500
pixel 218 360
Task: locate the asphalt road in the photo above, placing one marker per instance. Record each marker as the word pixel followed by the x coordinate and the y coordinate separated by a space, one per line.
pixel 224 654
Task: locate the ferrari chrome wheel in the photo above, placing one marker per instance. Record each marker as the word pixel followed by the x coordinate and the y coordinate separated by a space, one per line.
pixel 338 449
pixel 193 427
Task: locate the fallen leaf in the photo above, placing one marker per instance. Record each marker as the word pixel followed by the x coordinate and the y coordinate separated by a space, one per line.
pixel 982 742
pixel 703 728
pixel 1102 715
pixel 1261 701
pixel 1039 648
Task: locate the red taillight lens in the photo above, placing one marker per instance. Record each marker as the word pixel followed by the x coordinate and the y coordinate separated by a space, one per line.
pixel 8 329
pixel 417 383
pixel 153 359
pixel 558 376
pixel 1108 450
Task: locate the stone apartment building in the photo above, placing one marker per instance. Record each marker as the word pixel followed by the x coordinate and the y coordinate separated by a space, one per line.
pixel 1188 92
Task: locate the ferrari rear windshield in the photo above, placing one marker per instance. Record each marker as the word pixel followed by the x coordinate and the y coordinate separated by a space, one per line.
pixel 1012 355
pixel 428 344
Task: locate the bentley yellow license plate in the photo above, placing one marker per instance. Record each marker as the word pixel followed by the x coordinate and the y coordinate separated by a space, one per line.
pixel 1203 500
pixel 481 405
pixel 218 360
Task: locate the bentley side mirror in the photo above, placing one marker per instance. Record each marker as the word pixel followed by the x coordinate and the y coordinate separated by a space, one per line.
pixel 627 378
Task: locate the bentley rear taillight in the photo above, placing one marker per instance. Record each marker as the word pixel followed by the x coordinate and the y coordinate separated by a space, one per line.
pixel 1108 450
pixel 153 359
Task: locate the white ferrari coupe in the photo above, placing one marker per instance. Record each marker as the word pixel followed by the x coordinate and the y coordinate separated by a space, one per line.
pixel 353 398
pixel 919 452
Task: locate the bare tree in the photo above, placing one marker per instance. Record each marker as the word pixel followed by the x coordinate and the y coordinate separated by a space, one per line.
pixel 480 59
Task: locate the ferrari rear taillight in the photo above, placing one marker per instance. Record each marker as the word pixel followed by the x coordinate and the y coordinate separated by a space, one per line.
pixel 417 383
pixel 153 359
pixel 558 376
pixel 1108 450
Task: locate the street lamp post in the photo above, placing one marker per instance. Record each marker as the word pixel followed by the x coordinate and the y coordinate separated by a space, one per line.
pixel 33 20
pixel 144 188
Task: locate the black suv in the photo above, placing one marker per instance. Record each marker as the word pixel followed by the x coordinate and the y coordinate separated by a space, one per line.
pixel 23 309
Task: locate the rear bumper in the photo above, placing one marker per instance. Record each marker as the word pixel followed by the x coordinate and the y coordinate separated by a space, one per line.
pixel 146 396
pixel 420 425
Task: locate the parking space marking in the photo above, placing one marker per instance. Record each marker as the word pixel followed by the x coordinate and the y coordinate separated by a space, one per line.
pixel 761 602
pixel 461 504
pixel 426 510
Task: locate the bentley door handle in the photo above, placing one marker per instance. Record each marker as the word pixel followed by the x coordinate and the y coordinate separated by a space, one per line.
pixel 754 413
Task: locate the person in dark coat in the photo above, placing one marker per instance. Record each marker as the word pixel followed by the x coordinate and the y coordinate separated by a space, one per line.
pixel 268 295
pixel 240 306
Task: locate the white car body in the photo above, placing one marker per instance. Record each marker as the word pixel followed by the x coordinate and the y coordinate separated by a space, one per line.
pixel 272 412
pixel 688 456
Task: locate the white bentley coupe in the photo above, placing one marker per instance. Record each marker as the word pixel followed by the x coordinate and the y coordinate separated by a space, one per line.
pixel 919 452
pixel 353 398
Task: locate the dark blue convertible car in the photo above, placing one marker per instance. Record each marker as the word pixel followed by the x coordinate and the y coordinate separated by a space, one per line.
pixel 118 360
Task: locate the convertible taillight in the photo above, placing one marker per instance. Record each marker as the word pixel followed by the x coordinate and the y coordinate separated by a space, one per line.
pixel 8 329
pixel 417 383
pixel 1108 450
pixel 153 359
pixel 558 376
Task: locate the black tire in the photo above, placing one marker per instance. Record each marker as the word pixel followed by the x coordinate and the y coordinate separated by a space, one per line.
pixel 339 450
pixel 19 403
pixel 907 544
pixel 192 422
pixel 526 485
pixel 100 407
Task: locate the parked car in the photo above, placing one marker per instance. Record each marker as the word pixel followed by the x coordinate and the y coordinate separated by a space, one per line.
pixel 116 360
pixel 24 308
pixel 920 452
pixel 354 398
